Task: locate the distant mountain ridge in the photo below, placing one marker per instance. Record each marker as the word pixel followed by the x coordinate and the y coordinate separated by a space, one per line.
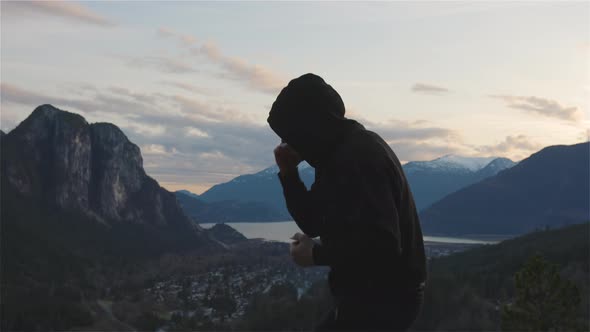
pixel 548 189
pixel 453 161
pixel 226 234
pixel 238 199
pixel 225 211
pixel 186 192
pixel 433 180
pixel 261 189
pixel 90 176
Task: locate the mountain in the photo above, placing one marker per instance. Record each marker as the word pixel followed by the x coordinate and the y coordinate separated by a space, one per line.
pixel 262 189
pixel 226 211
pixel 226 234
pixel 433 180
pixel 186 192
pixel 452 161
pixel 494 167
pixel 83 187
pixel 548 189
pixel 259 196
pixel 78 209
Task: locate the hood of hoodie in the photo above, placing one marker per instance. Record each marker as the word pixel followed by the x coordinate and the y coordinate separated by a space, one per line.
pixel 308 114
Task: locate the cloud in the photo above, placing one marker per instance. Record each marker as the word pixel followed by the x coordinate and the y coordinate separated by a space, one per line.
pixel 162 63
pixel 189 87
pixel 212 155
pixel 198 110
pixel 429 89
pixel 14 94
pixel 418 140
pixel 518 146
pixel 515 147
pixel 147 129
pixel 254 76
pixel 62 9
pixel 183 39
pixel 166 64
pixel 399 130
pixel 395 130
pixel 584 135
pixel 414 150
pixel 195 132
pixel 139 97
pixel 153 149
pixel 545 107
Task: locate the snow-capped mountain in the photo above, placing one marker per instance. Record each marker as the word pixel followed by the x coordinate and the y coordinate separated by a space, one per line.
pixel 451 161
pixel 429 181
pixel 433 180
pixel 496 166
pixel 547 189
pixel 259 188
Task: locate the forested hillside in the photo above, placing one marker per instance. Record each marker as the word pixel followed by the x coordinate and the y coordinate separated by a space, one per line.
pixel 465 292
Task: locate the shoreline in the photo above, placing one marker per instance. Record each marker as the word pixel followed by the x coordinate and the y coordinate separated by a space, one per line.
pixel 281 231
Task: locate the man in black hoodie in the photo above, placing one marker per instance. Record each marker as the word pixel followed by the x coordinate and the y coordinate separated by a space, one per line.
pixel 360 205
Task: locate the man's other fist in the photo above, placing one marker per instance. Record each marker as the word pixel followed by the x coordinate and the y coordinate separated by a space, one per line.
pixel 301 250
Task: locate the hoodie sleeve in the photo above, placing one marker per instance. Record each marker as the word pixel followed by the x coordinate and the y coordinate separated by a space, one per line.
pixel 303 205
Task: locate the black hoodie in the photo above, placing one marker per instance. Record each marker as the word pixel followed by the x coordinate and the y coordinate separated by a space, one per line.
pixel 360 204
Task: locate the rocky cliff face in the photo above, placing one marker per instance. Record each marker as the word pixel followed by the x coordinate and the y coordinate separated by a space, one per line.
pixel 59 161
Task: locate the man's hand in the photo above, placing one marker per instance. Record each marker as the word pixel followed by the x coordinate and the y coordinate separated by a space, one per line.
pixel 287 159
pixel 301 250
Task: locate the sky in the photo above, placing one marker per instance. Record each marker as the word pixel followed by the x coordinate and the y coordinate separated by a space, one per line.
pixel 191 83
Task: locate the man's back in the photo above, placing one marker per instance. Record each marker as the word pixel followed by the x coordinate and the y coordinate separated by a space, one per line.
pixel 380 207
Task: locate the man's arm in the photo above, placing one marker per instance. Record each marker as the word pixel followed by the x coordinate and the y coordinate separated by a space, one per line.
pixel 358 212
pixel 303 205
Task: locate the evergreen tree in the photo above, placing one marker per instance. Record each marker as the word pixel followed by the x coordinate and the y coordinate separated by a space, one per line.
pixel 544 301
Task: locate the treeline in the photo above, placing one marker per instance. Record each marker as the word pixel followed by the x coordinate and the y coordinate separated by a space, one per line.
pixel 467 290
pixel 280 309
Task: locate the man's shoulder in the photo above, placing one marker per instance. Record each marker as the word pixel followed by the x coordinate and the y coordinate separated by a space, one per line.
pixel 368 142
pixel 362 147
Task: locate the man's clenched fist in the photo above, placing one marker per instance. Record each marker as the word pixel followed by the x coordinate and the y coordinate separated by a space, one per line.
pixel 301 250
pixel 287 159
